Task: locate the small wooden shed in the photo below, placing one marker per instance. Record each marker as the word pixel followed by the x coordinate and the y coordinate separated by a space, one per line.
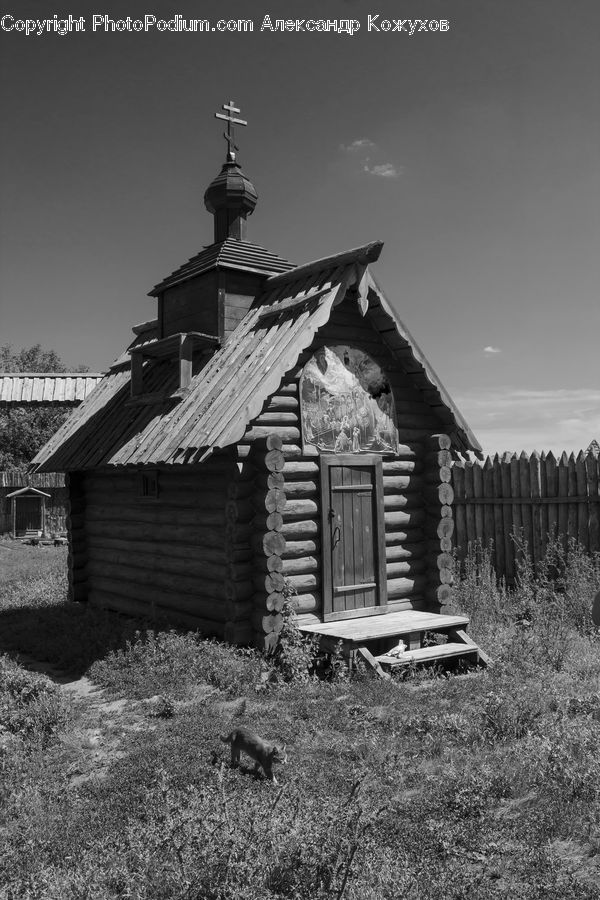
pixel 28 510
pixel 33 391
pixel 273 424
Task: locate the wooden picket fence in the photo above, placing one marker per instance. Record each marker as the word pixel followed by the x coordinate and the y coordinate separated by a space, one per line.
pixel 519 499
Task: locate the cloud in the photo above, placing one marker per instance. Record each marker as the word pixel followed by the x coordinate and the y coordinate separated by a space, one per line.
pixel 360 149
pixel 490 349
pixel 384 170
pixel 507 418
pixel 358 146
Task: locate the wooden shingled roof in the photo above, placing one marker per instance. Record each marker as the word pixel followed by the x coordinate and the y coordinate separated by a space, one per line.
pixel 231 254
pixel 49 388
pixel 231 389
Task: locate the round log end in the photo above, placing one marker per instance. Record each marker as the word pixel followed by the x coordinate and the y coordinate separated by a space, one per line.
pixel 275 601
pixel 275 563
pixel 274 581
pixel 273 544
pixel 275 460
pixel 273 623
pixel 275 501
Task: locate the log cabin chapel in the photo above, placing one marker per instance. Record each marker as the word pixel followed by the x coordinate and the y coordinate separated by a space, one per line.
pixel 276 425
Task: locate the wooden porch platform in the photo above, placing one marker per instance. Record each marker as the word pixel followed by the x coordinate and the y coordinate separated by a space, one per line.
pixel 381 633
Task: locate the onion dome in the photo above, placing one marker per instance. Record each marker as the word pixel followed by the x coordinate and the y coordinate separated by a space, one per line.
pixel 230 197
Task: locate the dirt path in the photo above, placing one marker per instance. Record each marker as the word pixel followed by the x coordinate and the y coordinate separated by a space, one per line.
pixel 100 724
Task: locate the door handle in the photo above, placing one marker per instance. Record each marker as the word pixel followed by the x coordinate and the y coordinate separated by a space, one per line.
pixel 335 539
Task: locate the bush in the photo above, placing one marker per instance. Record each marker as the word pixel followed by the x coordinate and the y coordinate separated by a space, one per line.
pixel 539 621
pixel 295 654
pixel 31 706
pixel 155 662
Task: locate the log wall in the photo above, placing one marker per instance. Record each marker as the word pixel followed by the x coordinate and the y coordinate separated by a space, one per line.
pixel 75 521
pixel 179 556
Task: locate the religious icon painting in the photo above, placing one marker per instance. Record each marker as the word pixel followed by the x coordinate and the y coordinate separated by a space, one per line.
pixel 347 403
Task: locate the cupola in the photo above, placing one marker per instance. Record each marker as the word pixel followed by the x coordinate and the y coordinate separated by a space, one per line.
pixel 231 198
pixel 212 292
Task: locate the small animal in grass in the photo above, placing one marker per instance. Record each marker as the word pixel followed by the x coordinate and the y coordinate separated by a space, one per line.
pixel 263 753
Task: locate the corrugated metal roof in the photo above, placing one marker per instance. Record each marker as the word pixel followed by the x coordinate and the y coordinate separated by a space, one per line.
pixel 46 387
pixel 230 391
pixel 231 254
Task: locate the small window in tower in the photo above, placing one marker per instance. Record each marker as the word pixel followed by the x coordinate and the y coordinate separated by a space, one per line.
pixel 148 485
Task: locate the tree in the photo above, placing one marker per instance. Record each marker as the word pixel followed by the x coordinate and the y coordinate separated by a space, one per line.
pixel 33 359
pixel 24 431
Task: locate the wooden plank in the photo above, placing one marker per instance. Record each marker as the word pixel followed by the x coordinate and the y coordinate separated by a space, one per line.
pixel 551 491
pixel 525 496
pixel 591 469
pixel 507 519
pixel 582 509
pixel 515 493
pixel 498 521
pixel 488 514
pixel 563 492
pixel 389 625
pixel 572 514
pixel 291 303
pixel 536 515
pixel 353 588
pixel 460 540
pixel 478 496
pixel 469 489
pixel 364 255
pixel 379 546
pixel 326 533
pixel 428 654
pixel 461 636
pixel 370 660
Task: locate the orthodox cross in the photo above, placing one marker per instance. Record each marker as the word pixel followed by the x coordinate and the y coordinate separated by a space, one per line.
pixel 230 109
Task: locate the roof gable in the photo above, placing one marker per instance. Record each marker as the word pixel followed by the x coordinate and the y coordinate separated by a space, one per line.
pixel 28 492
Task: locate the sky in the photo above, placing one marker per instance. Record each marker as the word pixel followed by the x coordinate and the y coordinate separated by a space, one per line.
pixel 473 153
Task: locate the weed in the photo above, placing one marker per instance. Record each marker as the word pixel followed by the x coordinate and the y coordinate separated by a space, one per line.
pixel 295 654
pixel 433 788
pixel 31 706
pixel 157 661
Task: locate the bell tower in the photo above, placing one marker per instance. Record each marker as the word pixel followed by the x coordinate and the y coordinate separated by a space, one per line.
pixel 214 290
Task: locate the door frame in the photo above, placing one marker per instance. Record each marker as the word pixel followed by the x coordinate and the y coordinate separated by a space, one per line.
pixel 352 459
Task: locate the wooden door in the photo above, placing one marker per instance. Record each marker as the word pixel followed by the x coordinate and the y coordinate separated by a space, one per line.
pixel 354 581
pixel 28 514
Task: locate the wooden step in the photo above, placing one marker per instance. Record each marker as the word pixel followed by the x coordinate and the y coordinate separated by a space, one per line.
pixel 428 654
pixel 369 628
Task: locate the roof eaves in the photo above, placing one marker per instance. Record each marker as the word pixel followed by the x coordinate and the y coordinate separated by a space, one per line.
pixel 253 258
pixel 463 432
pixel 364 255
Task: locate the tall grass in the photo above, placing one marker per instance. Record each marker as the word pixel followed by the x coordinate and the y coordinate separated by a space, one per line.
pixel 485 787
pixel 546 617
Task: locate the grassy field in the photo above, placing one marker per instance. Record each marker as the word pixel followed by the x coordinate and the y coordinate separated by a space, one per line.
pixel 485 785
